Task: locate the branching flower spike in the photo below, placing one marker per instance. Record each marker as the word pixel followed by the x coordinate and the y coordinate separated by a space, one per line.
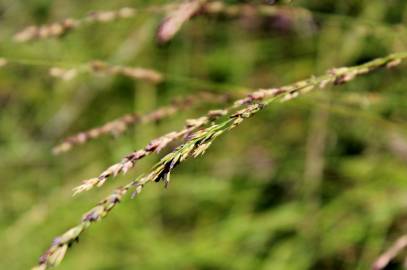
pixel 199 141
pixel 59 29
pixel 120 125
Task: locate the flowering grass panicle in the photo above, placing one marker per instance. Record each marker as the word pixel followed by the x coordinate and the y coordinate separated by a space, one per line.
pixel 197 143
pixel 154 146
pixel 264 96
pixel 102 68
pixel 58 29
pixel 120 125
pixel 150 75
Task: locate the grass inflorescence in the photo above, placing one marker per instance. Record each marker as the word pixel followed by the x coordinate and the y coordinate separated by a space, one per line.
pixel 197 143
pixel 120 125
pixel 58 29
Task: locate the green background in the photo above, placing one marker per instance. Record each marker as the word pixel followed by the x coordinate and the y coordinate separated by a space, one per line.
pixel 315 183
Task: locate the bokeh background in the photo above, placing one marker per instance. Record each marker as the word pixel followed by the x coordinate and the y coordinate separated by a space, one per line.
pixel 319 182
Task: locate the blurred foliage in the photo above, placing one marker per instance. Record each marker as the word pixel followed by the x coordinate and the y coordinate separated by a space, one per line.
pixel 255 200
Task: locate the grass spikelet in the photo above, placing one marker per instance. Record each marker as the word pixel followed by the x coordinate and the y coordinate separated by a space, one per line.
pixel 174 21
pixel 137 73
pixel 63 74
pixel 3 62
pixel 391 253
